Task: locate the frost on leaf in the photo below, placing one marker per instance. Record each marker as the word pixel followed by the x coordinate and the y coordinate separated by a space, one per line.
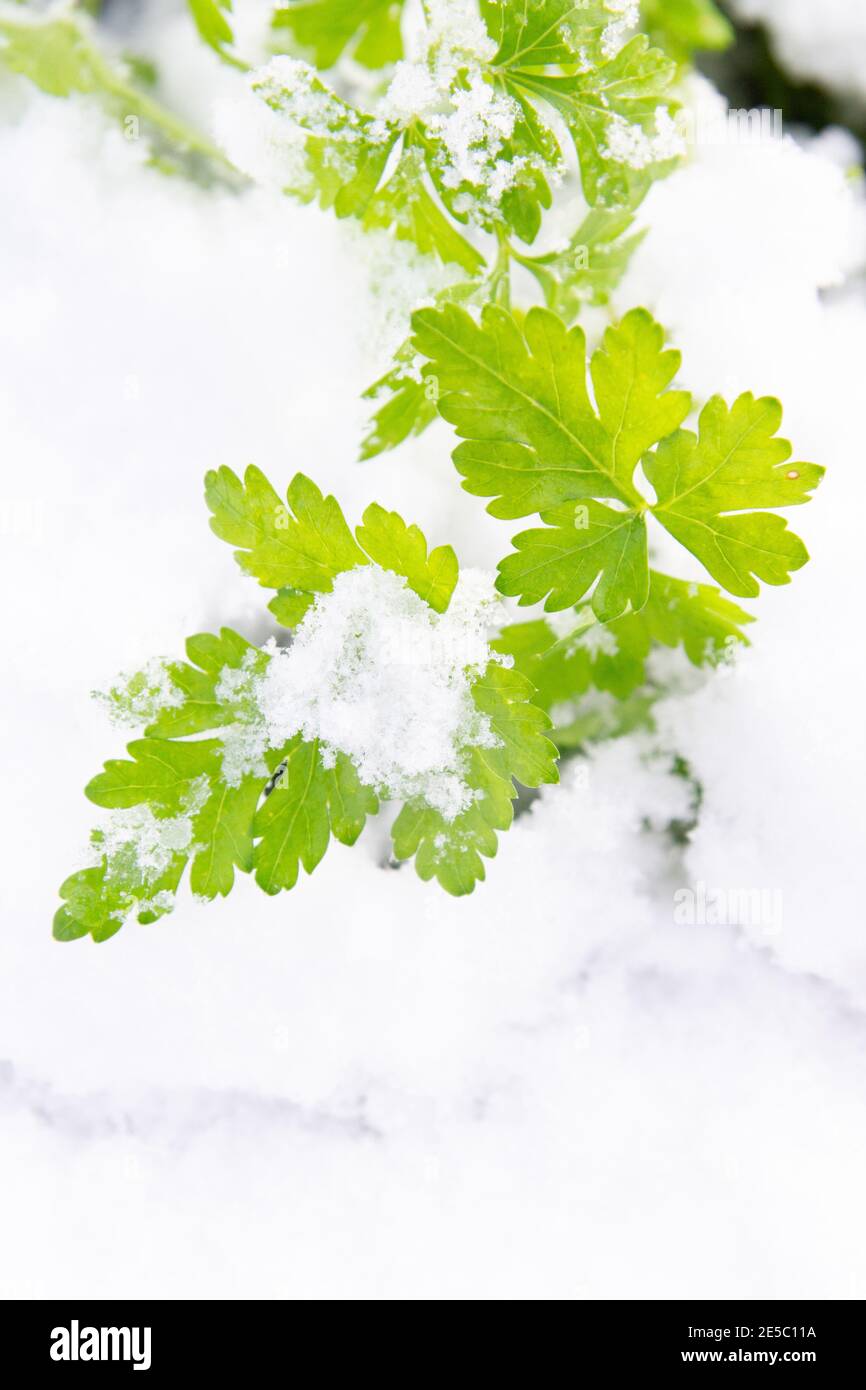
pixel 472 130
pixel 544 431
pixel 138 698
pixel 169 808
pixel 451 850
pixel 375 673
pixel 473 117
pixel 361 164
pixel 613 90
pixel 388 689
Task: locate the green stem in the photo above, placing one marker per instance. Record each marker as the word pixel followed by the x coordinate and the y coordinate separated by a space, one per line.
pixel 500 279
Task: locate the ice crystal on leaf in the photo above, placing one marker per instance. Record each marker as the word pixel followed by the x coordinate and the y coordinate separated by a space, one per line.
pixel 487 108
pixel 139 698
pixel 478 103
pixel 377 674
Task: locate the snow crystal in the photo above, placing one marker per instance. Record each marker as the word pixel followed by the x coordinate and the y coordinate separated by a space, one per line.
pixel 412 93
pixel 259 141
pixel 293 87
pixel 628 143
pixel 474 132
pixel 137 698
pixel 620 29
pixel 245 741
pixel 374 673
pixel 139 846
pixel 163 901
pixel 455 32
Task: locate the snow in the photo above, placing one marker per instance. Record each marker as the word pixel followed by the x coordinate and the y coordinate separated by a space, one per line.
pixel 474 133
pixel 245 742
pixel 630 144
pixel 259 141
pixel 375 673
pixel 442 85
pixel 293 87
pixel 456 34
pixel 761 226
pixel 136 698
pixel 619 30
pixel 366 1089
pixel 818 43
pixel 139 846
pixel 411 92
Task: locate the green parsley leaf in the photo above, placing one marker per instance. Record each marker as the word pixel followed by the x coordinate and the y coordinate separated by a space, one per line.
pixel 590 266
pixel 301 546
pixel 575 548
pixel 519 396
pixel 707 485
pixel 570 672
pixel 407 408
pixel 682 27
pixel 408 401
pixel 214 28
pixel 236 801
pixel 612 95
pixel 188 815
pixel 200 707
pixel 695 617
pixel 393 545
pixel 451 851
pixel 308 804
pixel 323 30
pixel 346 149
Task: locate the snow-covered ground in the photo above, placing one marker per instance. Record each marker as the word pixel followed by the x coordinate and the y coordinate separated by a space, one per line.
pixel 557 1088
pixel 819 41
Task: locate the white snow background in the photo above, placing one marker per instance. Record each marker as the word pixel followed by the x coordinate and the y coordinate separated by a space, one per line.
pixel 365 1089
